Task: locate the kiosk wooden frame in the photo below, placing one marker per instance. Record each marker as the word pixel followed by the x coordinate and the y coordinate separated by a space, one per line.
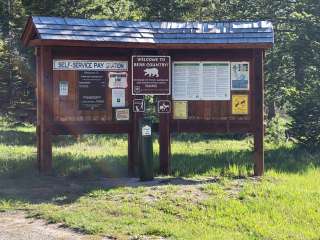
pixel 81 39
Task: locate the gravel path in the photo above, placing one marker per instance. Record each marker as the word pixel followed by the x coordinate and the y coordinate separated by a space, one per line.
pixel 15 226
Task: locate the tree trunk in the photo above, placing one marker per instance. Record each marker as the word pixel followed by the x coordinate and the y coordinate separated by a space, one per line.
pixel 271 110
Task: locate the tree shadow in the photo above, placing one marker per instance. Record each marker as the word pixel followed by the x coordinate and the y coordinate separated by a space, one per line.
pixel 73 176
pixel 76 174
pixel 69 140
pixel 14 137
pixel 17 138
pixel 196 137
pixel 239 163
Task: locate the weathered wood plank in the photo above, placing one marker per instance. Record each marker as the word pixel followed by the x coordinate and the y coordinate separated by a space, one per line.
pixel 45 108
pixel 80 43
pixel 258 100
pixel 211 126
pixel 74 128
pixel 164 140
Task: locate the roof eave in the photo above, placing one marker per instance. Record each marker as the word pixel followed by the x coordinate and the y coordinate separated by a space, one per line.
pixel 79 43
pixel 28 32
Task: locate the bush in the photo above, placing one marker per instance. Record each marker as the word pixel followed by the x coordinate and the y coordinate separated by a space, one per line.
pixel 276 130
pixel 305 113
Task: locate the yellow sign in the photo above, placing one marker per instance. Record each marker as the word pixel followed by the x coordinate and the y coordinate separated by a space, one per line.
pixel 180 110
pixel 240 105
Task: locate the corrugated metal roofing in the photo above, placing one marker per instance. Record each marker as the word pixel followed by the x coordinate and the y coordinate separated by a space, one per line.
pixel 57 28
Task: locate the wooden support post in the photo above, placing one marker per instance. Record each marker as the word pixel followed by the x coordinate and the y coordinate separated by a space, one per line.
pixel 164 141
pixel 133 138
pixel 134 157
pixel 258 113
pixel 131 133
pixel 131 159
pixel 44 109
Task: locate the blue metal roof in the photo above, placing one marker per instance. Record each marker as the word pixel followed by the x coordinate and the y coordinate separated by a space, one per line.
pixel 57 28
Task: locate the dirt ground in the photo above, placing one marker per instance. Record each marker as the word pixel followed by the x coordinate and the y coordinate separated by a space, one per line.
pixel 16 226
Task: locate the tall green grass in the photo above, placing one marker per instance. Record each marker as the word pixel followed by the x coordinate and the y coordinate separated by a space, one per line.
pixel 209 195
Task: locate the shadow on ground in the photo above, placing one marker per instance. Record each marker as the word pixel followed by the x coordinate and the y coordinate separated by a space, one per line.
pixel 17 138
pixel 76 173
pixel 233 163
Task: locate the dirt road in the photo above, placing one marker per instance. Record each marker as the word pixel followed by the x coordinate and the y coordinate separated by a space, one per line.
pixel 15 226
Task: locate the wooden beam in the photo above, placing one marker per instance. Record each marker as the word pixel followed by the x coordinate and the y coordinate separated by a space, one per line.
pixel 131 159
pixel 164 140
pixel 76 128
pixel 44 108
pixel 28 32
pixel 134 159
pixel 258 116
pixel 212 126
pixel 157 46
pixel 132 140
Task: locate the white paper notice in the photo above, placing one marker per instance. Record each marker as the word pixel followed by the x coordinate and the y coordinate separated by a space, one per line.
pixel 201 81
pixel 240 75
pixel 186 81
pixel 216 81
pixel 118 79
pixel 118 98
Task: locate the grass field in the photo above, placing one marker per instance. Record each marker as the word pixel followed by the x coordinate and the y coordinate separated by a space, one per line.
pixel 210 194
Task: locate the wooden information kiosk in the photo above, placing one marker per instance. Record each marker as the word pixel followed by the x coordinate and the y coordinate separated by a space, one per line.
pixel 92 76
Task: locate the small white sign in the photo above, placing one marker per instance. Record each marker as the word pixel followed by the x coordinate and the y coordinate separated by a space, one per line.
pixel 138 105
pixel 240 75
pixel 164 106
pixel 90 65
pixel 122 114
pixel 63 88
pixel 118 80
pixel 118 98
pixel 146 130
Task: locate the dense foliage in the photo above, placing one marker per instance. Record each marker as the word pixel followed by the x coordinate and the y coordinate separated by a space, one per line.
pixel 291 66
pixel 305 112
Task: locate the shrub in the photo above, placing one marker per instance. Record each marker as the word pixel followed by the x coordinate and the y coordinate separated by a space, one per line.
pixel 276 129
pixel 305 113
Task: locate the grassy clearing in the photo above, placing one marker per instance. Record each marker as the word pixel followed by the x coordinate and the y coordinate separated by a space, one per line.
pixel 210 194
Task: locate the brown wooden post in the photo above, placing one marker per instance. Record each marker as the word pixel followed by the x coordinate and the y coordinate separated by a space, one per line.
pixel 164 133
pixel 131 138
pixel 164 140
pixel 133 159
pixel 258 100
pixel 131 154
pixel 44 108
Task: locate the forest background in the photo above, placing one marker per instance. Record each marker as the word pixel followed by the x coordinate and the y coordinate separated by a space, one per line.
pixel 292 73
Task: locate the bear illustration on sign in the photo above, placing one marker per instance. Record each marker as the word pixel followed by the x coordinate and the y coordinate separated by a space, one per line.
pixel 151 72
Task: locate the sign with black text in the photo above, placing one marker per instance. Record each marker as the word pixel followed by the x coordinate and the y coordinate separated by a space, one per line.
pixel 151 75
pixel 122 114
pixel 89 65
pixel 118 79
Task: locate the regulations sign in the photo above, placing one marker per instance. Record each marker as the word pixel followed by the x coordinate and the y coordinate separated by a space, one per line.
pixel 164 106
pixel 240 105
pixel 151 75
pixel 92 90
